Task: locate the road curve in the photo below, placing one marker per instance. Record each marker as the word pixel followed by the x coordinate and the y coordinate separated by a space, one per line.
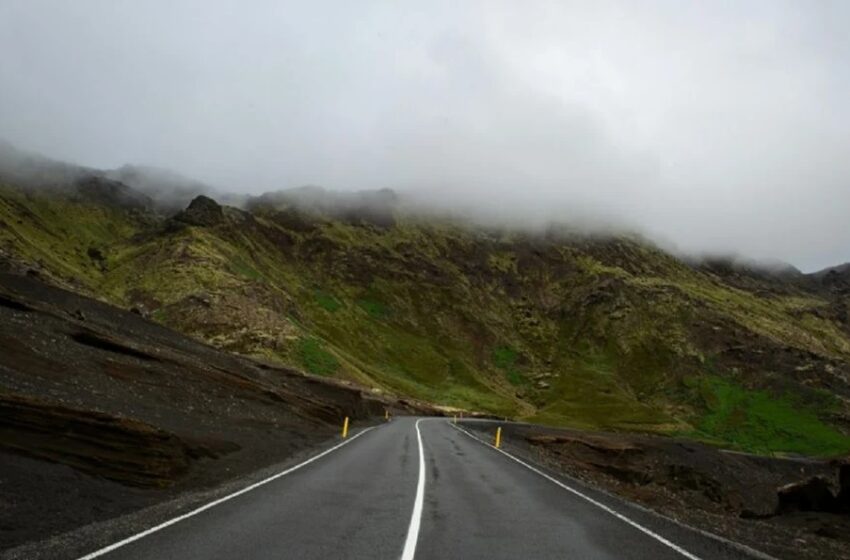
pixel 359 501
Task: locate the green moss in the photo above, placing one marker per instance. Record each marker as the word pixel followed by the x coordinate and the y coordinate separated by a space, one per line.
pixel 505 358
pixel 56 233
pixel 327 301
pixel 375 309
pixel 413 309
pixel 591 392
pixel 596 268
pixel 241 267
pixel 763 423
pixel 315 358
pixel 160 315
pixel 503 261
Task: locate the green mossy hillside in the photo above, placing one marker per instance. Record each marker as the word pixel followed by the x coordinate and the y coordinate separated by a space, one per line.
pixel 589 331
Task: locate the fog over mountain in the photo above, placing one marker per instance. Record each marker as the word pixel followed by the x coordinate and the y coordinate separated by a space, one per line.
pixel 718 128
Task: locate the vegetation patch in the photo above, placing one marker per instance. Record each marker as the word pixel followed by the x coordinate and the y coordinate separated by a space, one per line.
pixel 374 308
pixel 241 267
pixel 315 358
pixel 759 422
pixel 505 358
pixel 503 262
pixel 600 328
pixel 160 315
pixel 327 301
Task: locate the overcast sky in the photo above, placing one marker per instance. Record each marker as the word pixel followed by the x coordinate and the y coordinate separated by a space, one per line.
pixel 718 126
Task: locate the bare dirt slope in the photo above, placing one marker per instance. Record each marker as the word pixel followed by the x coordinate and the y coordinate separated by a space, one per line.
pixel 103 412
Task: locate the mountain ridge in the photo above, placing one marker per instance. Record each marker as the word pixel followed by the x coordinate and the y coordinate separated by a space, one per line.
pixel 591 331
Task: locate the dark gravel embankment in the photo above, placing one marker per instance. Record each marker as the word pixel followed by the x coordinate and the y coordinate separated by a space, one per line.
pixel 103 412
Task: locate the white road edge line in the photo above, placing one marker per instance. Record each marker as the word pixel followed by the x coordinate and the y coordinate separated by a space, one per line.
pixel 416 517
pixel 598 504
pixel 214 503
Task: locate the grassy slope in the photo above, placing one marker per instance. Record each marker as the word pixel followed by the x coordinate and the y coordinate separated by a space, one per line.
pixel 594 333
pixel 58 231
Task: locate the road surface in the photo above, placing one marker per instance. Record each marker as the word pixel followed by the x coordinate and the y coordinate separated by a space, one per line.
pixel 419 489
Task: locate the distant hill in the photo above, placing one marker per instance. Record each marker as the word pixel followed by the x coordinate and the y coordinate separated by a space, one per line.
pixel 595 331
pixel 840 271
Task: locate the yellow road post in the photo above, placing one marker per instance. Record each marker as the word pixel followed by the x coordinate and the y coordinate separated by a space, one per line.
pixel 345 428
pixel 498 437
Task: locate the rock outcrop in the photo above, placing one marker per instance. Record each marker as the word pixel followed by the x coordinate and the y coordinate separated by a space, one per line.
pixel 813 494
pixel 202 211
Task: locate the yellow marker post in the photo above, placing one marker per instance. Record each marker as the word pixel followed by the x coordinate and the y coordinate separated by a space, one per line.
pixel 345 428
pixel 386 414
pixel 498 437
pixel 454 419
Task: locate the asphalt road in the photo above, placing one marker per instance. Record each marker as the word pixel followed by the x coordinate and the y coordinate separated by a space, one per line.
pixel 368 499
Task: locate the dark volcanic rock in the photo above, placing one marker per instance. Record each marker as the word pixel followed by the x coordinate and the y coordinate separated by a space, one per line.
pixel 811 495
pixel 202 211
pixel 843 498
pixel 121 449
pixel 95 254
pixel 102 417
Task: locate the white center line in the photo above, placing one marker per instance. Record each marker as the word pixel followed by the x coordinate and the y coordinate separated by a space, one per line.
pixel 415 519
pixel 205 507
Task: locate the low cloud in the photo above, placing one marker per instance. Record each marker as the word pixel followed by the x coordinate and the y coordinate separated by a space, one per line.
pixel 716 128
